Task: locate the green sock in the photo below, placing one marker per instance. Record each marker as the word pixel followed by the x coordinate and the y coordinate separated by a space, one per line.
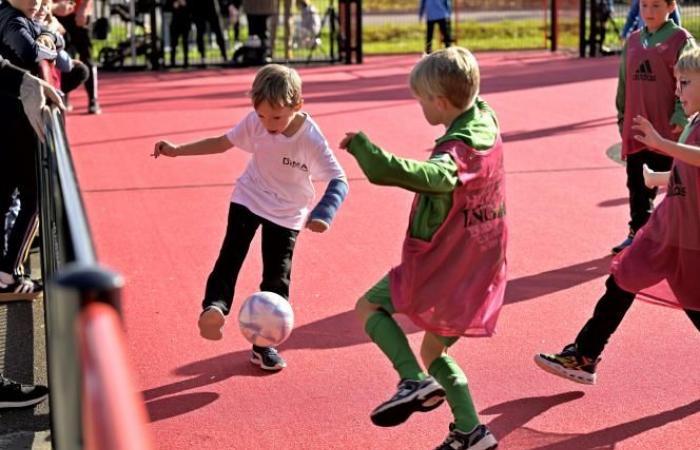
pixel 452 379
pixel 391 339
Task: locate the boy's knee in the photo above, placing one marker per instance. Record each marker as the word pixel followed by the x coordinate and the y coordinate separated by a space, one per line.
pixel 431 349
pixel 364 309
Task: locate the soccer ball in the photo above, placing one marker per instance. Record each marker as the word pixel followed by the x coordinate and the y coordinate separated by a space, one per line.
pixel 266 319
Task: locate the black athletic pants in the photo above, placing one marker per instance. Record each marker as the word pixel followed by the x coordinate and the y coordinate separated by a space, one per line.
pixel 277 249
pixel 607 316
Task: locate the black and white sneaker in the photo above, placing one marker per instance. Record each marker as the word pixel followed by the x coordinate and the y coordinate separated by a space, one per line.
pixel 267 358
pixel 16 395
pixel 478 439
pixel 412 396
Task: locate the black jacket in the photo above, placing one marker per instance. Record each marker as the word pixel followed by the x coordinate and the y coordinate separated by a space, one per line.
pixel 18 36
pixel 10 79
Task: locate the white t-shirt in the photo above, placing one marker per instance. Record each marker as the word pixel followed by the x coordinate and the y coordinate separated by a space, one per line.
pixel 276 184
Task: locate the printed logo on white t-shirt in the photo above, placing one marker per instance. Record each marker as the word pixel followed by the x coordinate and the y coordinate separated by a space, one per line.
pixel 294 164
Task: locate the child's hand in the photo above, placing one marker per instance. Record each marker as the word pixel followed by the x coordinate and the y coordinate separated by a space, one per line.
pixel 648 176
pixel 346 140
pixel 317 226
pixel 649 136
pixel 46 41
pixel 164 148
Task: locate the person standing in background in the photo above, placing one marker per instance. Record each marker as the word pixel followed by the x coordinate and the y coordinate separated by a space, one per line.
pixel 75 16
pixel 436 12
pixel 258 12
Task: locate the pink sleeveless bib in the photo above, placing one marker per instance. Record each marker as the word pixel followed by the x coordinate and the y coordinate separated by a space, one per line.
pixel 454 284
pixel 668 246
pixel 650 86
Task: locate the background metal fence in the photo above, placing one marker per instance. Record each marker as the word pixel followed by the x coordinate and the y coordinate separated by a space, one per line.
pixel 141 31
pixel 143 34
pixel 605 24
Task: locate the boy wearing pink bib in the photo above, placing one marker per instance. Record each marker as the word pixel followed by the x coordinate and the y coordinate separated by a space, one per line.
pixel 666 248
pixel 646 87
pixel 452 274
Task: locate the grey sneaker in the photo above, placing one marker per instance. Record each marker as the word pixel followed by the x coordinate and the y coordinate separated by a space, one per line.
pixel 210 323
pixel 480 438
pixel 624 244
pixel 412 396
pixel 267 358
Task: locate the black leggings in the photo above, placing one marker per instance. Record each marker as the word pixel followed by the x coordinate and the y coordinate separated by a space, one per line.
pixel 78 39
pixel 607 316
pixel 277 249
pixel 444 25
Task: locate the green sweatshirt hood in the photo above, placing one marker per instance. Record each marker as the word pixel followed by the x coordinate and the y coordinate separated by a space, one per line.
pixel 477 127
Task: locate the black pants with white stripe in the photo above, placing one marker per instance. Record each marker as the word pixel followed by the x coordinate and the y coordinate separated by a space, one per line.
pixel 18 170
pixel 277 249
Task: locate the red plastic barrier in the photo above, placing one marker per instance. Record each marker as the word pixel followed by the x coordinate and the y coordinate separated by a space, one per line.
pixel 114 416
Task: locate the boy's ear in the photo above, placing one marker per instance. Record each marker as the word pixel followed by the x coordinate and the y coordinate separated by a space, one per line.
pixel 442 102
pixel 298 106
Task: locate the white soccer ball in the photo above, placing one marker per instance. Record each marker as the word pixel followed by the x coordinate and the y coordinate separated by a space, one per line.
pixel 266 319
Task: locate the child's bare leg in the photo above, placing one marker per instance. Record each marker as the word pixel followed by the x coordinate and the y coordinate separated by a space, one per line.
pixel 446 371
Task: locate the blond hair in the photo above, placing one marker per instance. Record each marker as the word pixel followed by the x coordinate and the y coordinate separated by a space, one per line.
pixel 689 61
pixel 278 85
pixel 452 73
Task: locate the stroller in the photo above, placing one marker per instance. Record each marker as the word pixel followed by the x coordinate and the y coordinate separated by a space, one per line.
pixel 113 57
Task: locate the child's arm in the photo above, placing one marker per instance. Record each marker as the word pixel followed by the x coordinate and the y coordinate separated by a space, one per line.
pixel 435 176
pixel 205 146
pixel 689 154
pixel 322 215
pixel 654 179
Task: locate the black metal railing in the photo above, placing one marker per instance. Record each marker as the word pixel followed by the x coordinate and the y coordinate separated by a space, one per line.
pixel 81 300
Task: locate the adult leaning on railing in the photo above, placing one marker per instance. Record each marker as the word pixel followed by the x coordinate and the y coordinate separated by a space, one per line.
pixel 94 402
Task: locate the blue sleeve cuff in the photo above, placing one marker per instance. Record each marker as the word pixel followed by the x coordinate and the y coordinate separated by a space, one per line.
pixel 328 206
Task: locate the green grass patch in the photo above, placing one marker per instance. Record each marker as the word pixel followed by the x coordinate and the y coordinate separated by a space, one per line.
pixel 477 36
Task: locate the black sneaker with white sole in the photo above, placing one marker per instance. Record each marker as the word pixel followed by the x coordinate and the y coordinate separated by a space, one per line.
pixel 412 396
pixel 267 358
pixel 16 395
pixel 480 438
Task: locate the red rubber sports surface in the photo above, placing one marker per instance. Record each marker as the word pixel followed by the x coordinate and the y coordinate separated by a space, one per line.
pixel 160 223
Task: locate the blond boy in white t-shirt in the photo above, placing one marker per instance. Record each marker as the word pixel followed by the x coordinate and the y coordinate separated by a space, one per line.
pixel 287 150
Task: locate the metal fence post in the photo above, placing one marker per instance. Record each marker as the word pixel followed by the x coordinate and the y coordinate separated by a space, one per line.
pixel 74 286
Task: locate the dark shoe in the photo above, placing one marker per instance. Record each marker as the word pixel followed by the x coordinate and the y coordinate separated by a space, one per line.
pixel 478 439
pixel 569 364
pixel 22 288
pixel 624 244
pixel 267 358
pixel 15 395
pixel 94 107
pixel 211 322
pixel 412 396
